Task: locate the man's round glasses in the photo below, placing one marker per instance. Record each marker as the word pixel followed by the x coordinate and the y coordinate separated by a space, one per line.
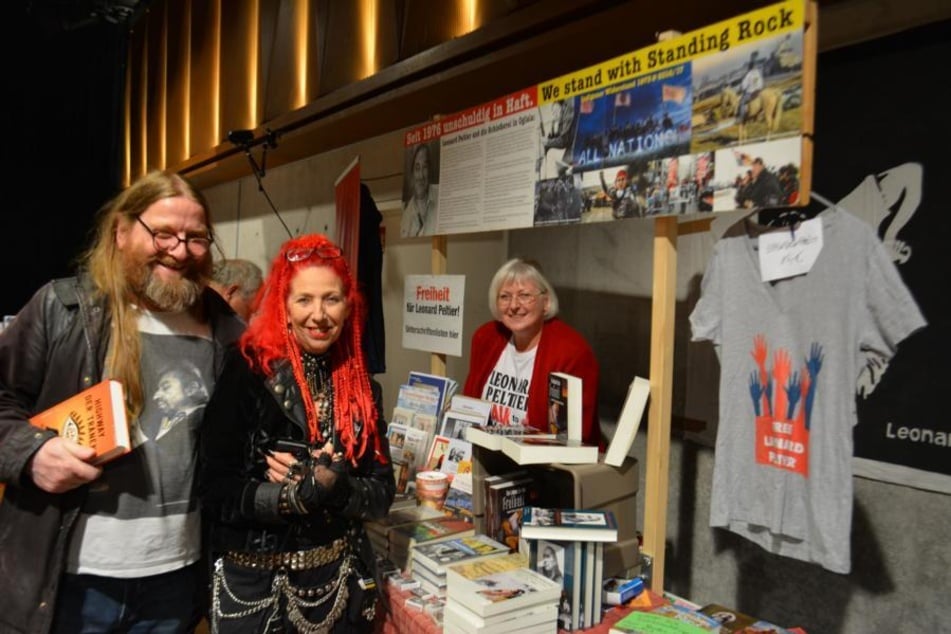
pixel 523 298
pixel 303 253
pixel 165 241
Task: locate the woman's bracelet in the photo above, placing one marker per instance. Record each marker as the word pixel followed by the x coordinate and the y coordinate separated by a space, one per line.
pixel 283 503
pixel 293 501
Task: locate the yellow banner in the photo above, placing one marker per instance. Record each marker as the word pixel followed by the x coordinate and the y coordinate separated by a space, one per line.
pixel 750 27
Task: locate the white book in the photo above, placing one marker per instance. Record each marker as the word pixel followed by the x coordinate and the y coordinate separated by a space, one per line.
pixel 419 398
pixel 533 450
pixel 501 584
pixel 598 579
pixel 577 566
pixel 484 436
pixel 490 436
pixel 436 557
pixel 458 452
pixel 433 585
pixel 409 445
pixel 437 453
pixel 455 423
pixel 426 422
pixel 402 416
pixel 471 405
pixel 457 618
pixel 564 405
pixel 569 524
pixel 590 589
pixel 443 384
pixel 629 421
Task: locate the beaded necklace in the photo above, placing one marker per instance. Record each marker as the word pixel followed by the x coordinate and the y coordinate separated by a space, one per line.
pixel 321 385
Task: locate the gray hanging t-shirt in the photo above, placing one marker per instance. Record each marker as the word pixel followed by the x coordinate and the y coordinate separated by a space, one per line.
pixel 790 354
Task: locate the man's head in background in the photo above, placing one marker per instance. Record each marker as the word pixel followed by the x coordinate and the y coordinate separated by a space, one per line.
pixel 238 282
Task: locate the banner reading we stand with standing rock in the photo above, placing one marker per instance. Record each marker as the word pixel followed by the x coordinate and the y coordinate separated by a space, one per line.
pixel 711 120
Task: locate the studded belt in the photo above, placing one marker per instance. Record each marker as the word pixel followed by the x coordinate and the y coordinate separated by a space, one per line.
pixel 293 560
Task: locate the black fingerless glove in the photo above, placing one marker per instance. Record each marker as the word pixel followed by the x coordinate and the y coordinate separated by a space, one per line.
pixel 319 487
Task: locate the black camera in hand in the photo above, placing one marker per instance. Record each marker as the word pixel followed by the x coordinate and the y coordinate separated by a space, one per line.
pixel 297 448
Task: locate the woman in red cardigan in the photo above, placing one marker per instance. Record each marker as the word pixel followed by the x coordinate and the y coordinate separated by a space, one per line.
pixel 512 355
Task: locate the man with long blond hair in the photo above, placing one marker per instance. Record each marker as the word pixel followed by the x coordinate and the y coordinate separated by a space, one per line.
pixel 113 547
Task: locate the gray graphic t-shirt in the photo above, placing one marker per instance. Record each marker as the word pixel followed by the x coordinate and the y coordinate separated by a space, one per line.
pixel 141 517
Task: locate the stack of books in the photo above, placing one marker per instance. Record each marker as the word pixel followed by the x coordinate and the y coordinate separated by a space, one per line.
pixel 379 531
pixel 684 616
pixel 567 546
pixel 444 386
pixel 498 595
pixel 560 441
pixel 459 501
pixel 491 436
pixel 663 619
pixel 506 496
pixel 403 538
pixel 429 560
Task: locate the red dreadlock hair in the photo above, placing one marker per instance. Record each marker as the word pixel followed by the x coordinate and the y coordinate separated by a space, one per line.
pixel 268 340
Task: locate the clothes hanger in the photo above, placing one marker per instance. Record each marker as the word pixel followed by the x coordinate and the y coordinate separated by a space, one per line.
pixel 760 220
pixel 788 215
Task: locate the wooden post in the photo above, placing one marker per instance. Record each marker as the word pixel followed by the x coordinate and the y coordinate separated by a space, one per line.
pixel 437 362
pixel 663 308
pixel 810 47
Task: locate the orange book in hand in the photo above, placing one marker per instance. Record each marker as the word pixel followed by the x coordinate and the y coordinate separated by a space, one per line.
pixel 96 417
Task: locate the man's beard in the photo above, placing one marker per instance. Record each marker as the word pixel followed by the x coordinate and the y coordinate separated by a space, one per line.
pixel 166 295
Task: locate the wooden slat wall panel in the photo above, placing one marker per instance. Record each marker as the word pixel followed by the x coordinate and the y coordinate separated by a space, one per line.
pixel 177 81
pixel 245 59
pixel 136 96
pixel 155 89
pixel 239 61
pixel 203 97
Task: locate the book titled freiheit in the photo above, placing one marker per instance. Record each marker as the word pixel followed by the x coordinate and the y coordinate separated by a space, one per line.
pixel 498 585
pixel 504 501
pixel 95 417
pixel 569 524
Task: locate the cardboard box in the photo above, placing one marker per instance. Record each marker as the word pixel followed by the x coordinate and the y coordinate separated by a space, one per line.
pixel 581 486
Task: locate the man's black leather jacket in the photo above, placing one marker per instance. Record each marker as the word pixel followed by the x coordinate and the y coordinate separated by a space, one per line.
pixel 54 348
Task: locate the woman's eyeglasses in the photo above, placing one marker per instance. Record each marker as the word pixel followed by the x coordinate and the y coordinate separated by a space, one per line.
pixel 523 298
pixel 300 254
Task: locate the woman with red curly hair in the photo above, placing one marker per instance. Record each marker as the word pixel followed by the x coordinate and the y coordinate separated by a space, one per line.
pixel 295 458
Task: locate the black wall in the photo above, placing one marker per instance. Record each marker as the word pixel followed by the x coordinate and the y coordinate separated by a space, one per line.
pixel 60 150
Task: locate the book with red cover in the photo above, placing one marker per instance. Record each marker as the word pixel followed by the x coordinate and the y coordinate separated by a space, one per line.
pixel 95 417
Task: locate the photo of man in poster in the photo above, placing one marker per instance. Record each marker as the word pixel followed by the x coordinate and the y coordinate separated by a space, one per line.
pixel 420 191
pixel 558 127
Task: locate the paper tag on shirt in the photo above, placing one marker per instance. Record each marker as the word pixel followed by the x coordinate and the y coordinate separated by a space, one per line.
pixel 790 252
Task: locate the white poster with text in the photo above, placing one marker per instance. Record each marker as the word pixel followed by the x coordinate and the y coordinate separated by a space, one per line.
pixel 432 313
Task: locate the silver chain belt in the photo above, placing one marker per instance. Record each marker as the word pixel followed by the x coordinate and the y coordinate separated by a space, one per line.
pixel 281 586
